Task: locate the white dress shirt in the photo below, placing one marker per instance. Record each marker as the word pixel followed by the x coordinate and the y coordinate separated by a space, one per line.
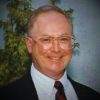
pixel 45 86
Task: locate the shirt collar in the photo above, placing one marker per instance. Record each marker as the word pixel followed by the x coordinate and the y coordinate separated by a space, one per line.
pixel 64 80
pixel 47 84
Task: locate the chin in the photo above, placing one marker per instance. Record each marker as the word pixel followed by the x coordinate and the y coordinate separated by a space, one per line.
pixel 57 67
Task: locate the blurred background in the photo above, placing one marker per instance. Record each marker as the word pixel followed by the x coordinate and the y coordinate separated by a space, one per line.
pixel 84 66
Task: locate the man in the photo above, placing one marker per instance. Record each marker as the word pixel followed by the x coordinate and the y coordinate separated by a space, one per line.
pixel 49 42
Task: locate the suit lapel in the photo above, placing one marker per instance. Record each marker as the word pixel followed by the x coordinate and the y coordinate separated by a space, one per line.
pixel 29 86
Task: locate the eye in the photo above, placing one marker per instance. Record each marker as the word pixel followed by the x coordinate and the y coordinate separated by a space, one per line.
pixel 45 40
pixel 64 39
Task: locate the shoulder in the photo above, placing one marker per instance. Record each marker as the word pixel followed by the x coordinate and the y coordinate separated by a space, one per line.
pixel 84 92
pixel 22 88
pixel 11 90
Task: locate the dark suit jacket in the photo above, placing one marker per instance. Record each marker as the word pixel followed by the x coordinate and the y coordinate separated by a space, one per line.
pixel 24 89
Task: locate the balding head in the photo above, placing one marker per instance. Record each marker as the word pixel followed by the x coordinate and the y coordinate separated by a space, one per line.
pixel 45 9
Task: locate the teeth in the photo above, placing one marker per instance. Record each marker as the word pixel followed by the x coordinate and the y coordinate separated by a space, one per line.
pixel 54 58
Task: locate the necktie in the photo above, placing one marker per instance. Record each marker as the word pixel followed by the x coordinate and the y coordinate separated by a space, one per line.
pixel 60 95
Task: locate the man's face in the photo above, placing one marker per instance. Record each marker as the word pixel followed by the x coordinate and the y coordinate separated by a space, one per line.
pixel 50 43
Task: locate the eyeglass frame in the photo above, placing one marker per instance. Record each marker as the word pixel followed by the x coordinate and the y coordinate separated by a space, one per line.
pixel 51 39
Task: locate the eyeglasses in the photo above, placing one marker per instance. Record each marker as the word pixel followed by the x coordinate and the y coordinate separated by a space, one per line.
pixel 48 41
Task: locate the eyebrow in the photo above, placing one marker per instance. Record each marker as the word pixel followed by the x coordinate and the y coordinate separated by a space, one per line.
pixel 65 34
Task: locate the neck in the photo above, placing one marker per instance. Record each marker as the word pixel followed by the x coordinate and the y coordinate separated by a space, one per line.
pixel 53 75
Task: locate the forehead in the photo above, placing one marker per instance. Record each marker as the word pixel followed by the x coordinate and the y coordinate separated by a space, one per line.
pixel 53 16
pixel 52 22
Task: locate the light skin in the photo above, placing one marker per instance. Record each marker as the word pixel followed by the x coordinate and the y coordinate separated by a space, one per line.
pixel 51 61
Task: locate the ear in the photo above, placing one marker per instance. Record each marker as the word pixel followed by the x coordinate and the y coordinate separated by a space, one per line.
pixel 28 44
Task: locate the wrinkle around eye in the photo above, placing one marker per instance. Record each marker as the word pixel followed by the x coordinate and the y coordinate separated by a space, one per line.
pixel 45 40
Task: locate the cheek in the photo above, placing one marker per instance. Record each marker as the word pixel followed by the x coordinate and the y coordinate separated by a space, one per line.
pixel 38 53
pixel 68 53
pixel 42 50
pixel 67 56
pixel 69 49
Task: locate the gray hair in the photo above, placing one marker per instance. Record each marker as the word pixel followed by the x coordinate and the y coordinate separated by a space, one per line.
pixel 44 9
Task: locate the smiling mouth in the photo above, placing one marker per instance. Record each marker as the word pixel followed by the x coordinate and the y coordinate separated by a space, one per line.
pixel 54 59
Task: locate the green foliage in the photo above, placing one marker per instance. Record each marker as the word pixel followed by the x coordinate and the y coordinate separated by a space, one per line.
pixel 14 58
pixel 53 2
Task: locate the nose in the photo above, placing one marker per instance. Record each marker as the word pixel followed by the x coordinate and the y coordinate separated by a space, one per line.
pixel 55 46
